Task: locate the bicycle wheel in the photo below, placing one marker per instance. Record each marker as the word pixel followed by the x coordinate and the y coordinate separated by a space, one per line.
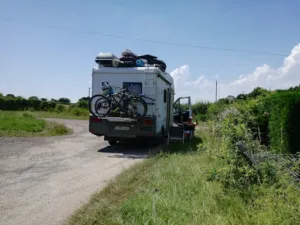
pixel 102 107
pixel 136 107
pixel 92 103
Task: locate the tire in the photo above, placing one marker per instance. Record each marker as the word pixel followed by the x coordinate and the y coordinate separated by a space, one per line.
pixel 102 107
pixel 112 142
pixel 131 106
pixel 92 103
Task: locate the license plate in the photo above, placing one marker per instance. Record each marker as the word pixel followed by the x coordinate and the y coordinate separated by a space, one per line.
pixel 121 128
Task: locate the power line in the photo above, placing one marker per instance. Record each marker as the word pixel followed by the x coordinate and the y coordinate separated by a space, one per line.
pixel 147 40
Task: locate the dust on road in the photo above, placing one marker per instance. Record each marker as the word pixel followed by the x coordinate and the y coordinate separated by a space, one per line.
pixel 43 180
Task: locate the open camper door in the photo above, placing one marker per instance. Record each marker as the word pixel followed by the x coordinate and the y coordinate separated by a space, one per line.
pixel 182 109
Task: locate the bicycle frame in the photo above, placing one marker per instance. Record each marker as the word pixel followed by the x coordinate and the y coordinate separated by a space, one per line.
pixel 112 100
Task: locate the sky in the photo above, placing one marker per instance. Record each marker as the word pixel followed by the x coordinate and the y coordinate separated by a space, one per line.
pixel 48 48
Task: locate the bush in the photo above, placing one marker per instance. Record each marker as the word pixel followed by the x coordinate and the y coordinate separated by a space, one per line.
pixel 64 101
pixel 83 104
pixel 200 109
pixel 59 129
pixel 284 124
pixel 215 109
pixel 60 108
pixel 79 112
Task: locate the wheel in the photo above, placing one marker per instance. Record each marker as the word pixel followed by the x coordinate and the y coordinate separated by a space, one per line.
pixel 136 107
pixel 92 104
pixel 112 142
pixel 102 107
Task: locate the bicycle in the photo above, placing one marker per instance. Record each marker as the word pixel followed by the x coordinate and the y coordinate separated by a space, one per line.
pixel 126 105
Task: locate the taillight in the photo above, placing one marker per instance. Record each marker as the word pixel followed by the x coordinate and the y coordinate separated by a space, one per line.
pixel 147 122
pixel 96 119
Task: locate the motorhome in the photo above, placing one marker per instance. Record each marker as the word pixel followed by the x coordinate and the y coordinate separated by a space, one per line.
pixel 162 113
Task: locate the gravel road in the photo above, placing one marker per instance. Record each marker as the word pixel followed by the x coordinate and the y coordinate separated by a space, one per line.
pixel 43 180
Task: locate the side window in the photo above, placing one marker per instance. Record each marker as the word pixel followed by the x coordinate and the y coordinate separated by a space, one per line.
pixel 165 95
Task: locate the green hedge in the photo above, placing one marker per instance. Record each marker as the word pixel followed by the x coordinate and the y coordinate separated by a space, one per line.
pixel 200 109
pixel 19 103
pixel 284 122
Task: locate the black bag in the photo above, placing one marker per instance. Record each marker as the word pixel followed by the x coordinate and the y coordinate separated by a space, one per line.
pixel 153 60
pixel 147 57
pixel 129 54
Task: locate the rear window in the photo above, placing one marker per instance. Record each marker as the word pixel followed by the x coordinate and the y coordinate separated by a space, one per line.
pixel 135 87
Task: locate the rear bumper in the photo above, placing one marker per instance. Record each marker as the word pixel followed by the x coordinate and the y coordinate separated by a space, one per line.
pixel 115 128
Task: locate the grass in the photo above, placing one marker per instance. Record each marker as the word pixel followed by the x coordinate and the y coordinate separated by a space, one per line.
pixel 175 187
pixel 78 114
pixel 24 124
pixel 66 113
pixel 170 188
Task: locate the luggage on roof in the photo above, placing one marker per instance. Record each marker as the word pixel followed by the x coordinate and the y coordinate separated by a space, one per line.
pixel 129 59
pixel 105 59
pixel 127 53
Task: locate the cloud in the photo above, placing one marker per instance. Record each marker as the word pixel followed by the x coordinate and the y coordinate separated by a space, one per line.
pixel 202 88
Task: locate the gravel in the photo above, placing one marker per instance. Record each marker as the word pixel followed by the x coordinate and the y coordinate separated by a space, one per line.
pixel 44 180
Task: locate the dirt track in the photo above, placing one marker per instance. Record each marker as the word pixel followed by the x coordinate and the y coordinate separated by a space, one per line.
pixel 43 180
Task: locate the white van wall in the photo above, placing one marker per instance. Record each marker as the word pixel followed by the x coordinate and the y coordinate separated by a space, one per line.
pixel 153 86
pixel 161 104
pixel 118 79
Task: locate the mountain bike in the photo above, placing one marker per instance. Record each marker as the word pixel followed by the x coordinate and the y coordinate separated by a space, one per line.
pixel 122 103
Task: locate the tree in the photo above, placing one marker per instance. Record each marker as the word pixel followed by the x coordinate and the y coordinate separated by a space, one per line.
pixel 241 97
pixel 223 101
pixel 230 98
pixel 258 92
pixel 33 98
pixel 64 101
pixel 10 96
pixel 82 104
pixel 34 103
pixel 84 99
pixel 44 100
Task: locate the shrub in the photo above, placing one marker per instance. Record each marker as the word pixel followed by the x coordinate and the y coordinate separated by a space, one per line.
pixel 284 124
pixel 200 109
pixel 83 104
pixel 60 108
pixel 59 129
pixel 214 109
pixel 79 112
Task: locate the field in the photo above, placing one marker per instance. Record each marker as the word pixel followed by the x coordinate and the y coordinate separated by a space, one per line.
pixel 26 124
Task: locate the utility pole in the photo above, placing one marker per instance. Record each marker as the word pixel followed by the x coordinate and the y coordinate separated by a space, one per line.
pixel 216 90
pixel 89 92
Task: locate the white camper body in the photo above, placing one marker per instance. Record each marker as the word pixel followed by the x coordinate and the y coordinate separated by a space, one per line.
pixel 150 81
